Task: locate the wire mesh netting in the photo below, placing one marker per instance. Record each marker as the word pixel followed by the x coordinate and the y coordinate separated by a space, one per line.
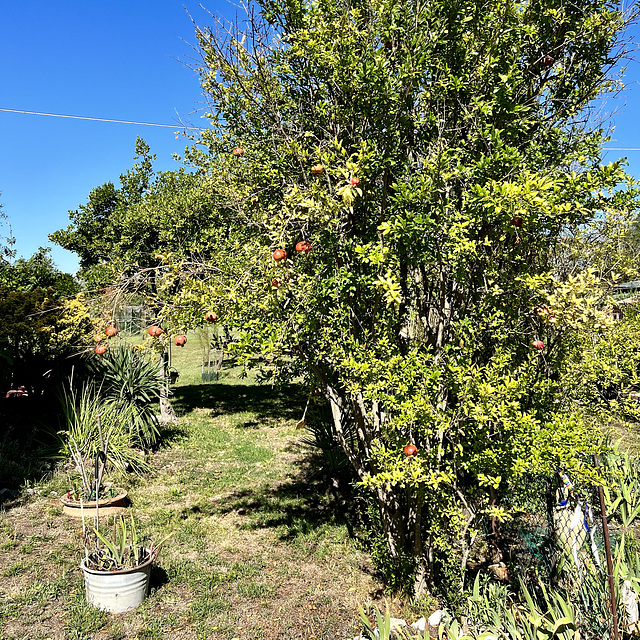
pixel 557 540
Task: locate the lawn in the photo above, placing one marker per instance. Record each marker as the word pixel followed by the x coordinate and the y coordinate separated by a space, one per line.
pixel 261 549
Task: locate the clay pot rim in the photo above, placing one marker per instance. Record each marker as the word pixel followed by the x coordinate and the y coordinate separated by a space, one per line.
pixel 105 502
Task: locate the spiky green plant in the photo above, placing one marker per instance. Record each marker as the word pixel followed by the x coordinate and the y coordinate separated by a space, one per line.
pixel 131 382
pixel 121 549
pixel 89 426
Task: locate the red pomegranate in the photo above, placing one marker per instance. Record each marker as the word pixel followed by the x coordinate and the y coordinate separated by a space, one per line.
pixel 180 340
pixel 238 151
pixel 155 331
pixel 101 349
pixel 111 331
pixel 410 450
pixel 547 62
pixel 211 316
pixel 303 247
pixel 538 344
pixel 317 169
pixel 279 254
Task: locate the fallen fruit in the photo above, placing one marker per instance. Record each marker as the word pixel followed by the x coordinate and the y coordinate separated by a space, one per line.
pixel 101 349
pixel 303 247
pixel 180 340
pixel 410 450
pixel 279 254
pixel 538 344
pixel 155 331
pixel 111 331
pixel 238 151
pixel 211 316
pixel 317 169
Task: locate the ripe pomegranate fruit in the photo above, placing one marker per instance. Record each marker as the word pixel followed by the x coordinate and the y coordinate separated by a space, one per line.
pixel 303 247
pixel 547 62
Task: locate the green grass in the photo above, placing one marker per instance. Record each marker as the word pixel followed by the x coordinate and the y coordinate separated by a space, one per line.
pixel 259 549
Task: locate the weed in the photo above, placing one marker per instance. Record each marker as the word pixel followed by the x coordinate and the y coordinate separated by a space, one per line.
pixel 83 619
pixel 17 568
pixel 258 590
pixel 153 629
pixel 8 545
pixel 116 631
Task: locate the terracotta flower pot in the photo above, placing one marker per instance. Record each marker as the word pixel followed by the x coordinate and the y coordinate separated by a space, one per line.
pixel 108 506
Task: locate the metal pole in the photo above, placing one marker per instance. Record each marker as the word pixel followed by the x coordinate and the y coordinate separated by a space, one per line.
pixel 607 548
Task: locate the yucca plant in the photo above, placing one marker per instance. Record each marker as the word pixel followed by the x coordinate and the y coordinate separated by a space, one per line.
pixel 487 604
pixel 118 549
pixel 121 551
pixel 131 383
pixel 557 619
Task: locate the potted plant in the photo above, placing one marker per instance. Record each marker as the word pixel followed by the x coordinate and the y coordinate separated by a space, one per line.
pixel 117 569
pixel 95 440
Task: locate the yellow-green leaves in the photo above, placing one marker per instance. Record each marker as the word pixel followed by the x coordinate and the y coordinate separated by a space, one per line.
pixel 390 287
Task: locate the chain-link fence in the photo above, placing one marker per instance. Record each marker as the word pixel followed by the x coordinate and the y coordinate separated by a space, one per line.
pixel 557 540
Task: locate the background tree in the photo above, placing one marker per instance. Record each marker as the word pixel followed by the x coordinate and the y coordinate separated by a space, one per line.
pixel 39 333
pixel 7 252
pixel 43 319
pixel 39 270
pixel 121 232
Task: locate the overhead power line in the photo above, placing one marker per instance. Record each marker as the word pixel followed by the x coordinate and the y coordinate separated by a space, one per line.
pixel 62 115
pixel 175 126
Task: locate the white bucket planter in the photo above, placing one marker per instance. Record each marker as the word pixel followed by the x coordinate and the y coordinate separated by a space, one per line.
pixel 117 591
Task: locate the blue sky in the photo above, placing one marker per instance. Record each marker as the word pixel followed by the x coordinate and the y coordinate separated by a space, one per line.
pixel 124 60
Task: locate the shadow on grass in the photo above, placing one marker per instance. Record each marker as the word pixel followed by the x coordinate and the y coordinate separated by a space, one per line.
pixel 168 434
pixel 265 401
pixel 159 578
pixel 301 506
